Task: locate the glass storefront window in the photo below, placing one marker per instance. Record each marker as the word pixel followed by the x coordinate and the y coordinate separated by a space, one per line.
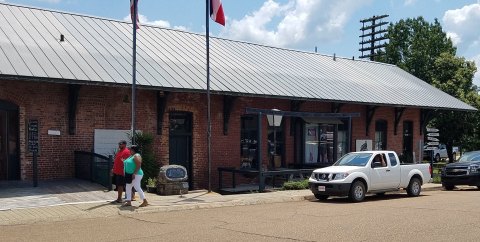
pixel 248 141
pixel 380 135
pixel 319 143
pixel 275 153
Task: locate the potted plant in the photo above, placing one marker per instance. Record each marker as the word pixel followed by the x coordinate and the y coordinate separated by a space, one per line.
pixel 152 185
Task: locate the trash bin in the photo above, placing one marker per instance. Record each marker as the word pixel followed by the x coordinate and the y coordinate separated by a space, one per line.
pixel 172 180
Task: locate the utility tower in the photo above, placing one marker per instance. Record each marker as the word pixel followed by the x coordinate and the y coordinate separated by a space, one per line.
pixel 372 28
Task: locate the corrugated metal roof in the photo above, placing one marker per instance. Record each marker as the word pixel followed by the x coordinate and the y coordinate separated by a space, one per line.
pixel 98 50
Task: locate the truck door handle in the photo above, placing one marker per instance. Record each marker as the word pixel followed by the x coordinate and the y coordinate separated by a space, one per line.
pixel 387 170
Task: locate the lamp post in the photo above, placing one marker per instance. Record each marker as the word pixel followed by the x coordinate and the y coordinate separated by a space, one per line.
pixel 275 121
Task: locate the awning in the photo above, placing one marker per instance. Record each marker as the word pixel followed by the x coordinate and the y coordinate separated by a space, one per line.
pixel 316 120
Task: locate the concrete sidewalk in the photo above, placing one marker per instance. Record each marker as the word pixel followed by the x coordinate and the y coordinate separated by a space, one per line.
pixel 195 200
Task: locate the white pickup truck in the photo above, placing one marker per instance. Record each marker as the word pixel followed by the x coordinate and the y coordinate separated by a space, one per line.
pixel 358 173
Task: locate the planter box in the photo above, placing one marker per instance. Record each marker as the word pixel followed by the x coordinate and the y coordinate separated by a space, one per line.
pixel 151 189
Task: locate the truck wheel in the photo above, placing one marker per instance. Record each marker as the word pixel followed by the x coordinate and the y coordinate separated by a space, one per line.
pixel 449 187
pixel 414 187
pixel 437 158
pixel 357 192
pixel 321 197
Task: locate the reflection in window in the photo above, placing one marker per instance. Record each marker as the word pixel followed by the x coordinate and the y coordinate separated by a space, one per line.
pixel 380 135
pixel 275 153
pixel 319 143
pixel 342 140
pixel 248 141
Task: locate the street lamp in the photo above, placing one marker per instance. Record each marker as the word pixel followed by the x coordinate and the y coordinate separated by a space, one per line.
pixel 275 121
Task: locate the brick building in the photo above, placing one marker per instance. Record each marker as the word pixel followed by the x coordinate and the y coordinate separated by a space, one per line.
pixel 71 73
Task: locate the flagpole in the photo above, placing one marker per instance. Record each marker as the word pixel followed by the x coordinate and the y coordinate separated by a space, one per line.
pixel 209 126
pixel 134 67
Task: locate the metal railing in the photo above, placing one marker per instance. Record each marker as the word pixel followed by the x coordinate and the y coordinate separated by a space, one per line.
pixel 94 167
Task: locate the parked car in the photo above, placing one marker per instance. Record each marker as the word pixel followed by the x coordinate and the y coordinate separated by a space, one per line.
pixel 464 172
pixel 357 173
pixel 440 152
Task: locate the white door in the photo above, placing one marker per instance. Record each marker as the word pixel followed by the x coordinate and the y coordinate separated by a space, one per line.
pixel 392 179
pixel 378 176
pixel 382 178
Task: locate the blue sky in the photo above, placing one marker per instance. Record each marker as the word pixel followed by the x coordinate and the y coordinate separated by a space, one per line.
pixel 330 25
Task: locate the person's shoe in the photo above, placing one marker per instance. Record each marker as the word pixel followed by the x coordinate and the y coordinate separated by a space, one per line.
pixel 127 204
pixel 144 204
pixel 116 201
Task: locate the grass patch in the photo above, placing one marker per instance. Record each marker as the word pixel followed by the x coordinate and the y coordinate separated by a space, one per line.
pixel 295 185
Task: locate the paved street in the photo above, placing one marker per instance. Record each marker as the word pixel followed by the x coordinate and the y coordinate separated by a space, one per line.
pixel 435 216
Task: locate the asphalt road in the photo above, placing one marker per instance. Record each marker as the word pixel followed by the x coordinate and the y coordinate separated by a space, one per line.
pixel 434 216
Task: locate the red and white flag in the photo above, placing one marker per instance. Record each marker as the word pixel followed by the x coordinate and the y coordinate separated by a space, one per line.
pixel 132 13
pixel 216 11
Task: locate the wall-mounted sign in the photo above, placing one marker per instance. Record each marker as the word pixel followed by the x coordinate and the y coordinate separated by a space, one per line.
pixel 363 144
pixel 53 132
pixel 432 130
pixel 432 139
pixel 433 143
pixel 433 134
pixel 431 148
pixel 33 138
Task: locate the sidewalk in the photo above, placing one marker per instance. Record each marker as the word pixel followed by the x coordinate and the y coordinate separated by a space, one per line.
pixel 97 209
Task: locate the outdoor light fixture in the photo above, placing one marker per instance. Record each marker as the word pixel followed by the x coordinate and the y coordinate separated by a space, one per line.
pixel 275 121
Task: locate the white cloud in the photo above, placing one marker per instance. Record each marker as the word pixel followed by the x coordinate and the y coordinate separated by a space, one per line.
pixel 462 25
pixel 301 22
pixel 160 23
pixel 409 2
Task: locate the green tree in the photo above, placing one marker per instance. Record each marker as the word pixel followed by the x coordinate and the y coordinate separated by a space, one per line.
pixel 425 51
pixel 414 44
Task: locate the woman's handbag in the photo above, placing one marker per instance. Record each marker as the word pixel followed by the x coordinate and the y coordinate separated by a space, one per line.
pixel 128 178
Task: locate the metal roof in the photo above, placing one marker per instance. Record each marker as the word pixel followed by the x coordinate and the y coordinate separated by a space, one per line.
pixel 98 50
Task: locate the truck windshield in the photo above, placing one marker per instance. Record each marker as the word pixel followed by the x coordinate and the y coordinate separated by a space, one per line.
pixel 354 159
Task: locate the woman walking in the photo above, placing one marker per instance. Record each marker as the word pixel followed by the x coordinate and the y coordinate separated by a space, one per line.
pixel 133 168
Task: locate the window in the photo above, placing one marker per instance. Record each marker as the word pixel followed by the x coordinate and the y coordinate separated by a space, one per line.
pixel 319 143
pixel 393 159
pixel 248 141
pixel 380 135
pixel 275 153
pixel 342 140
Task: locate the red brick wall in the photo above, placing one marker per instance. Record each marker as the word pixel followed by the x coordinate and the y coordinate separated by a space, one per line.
pixel 101 107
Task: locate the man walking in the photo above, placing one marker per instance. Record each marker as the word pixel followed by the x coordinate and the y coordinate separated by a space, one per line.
pixel 118 170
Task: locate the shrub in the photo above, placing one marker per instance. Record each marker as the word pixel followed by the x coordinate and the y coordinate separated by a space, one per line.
pixel 296 185
pixel 150 166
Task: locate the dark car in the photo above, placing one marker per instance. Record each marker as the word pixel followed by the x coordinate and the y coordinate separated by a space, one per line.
pixel 464 172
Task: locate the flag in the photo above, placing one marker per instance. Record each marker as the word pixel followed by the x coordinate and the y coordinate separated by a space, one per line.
pixel 216 11
pixel 132 12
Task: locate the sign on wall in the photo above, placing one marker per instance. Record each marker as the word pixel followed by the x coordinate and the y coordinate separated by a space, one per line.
pixel 33 128
pixel 363 144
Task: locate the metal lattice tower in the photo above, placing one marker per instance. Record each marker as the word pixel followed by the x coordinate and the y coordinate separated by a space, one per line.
pixel 372 27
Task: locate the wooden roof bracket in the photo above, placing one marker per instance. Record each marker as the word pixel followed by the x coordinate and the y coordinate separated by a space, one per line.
pixel 73 92
pixel 228 102
pixel 368 118
pixel 162 98
pixel 398 117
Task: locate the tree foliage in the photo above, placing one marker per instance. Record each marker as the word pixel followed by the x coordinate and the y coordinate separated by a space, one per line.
pixel 150 166
pixel 425 51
